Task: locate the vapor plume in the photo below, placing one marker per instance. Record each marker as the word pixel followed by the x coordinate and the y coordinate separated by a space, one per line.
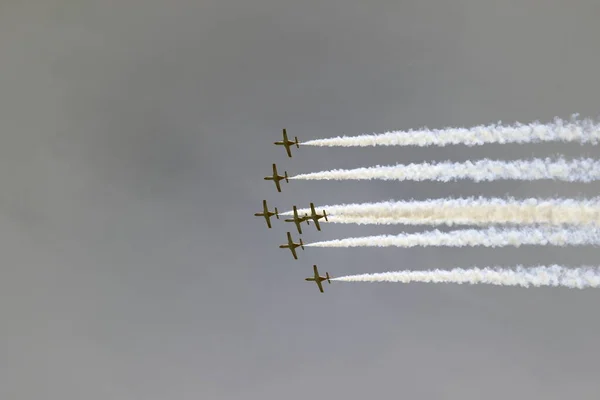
pixel 580 131
pixel 555 275
pixel 580 170
pixel 491 237
pixel 469 211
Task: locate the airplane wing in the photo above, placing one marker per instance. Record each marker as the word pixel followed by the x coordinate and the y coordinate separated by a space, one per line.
pixel 314 215
pixel 286 144
pixel 277 185
pixel 316 271
pixel 320 286
pixel 293 250
pixel 266 213
pixel 297 220
pixel 316 221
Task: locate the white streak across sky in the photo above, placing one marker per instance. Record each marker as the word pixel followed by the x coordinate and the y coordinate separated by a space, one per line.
pixel 579 170
pixel 579 131
pixel 554 275
pixel 491 237
pixel 468 211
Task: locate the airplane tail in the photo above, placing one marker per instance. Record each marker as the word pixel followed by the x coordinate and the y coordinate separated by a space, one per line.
pixel 297 145
pixel 328 277
pixel 325 215
pixel 276 213
pixel 286 177
pixel 301 244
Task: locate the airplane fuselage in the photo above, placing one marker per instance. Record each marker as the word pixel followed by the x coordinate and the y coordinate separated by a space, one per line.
pixel 296 220
pixel 289 245
pixel 267 216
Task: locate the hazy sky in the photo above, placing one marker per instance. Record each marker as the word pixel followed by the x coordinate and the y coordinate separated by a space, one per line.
pixel 134 138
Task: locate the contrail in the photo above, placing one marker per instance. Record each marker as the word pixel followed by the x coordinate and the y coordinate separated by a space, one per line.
pixel 555 275
pixel 584 132
pixel 491 237
pixel 469 211
pixel 580 170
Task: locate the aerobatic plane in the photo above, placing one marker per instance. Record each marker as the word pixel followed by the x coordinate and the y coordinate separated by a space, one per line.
pixel 276 178
pixel 318 279
pixel 267 214
pixel 316 217
pixel 291 245
pixel 287 143
pixel 298 220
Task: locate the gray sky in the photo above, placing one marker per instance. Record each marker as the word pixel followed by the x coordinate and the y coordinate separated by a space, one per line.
pixel 135 135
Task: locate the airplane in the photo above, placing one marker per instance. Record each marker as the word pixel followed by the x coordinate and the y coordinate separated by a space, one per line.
pixel 276 178
pixel 316 217
pixel 287 143
pixel 318 279
pixel 298 220
pixel 291 245
pixel 267 214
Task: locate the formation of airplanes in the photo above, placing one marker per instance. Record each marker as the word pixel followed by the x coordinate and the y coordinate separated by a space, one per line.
pixel 296 218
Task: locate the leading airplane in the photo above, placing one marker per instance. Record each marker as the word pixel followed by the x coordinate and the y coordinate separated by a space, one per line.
pixel 267 214
pixel 316 217
pixel 318 279
pixel 291 245
pixel 276 178
pixel 298 220
pixel 287 143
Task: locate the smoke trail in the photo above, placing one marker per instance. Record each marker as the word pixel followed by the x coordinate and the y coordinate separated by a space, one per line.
pixel 581 170
pixel 491 237
pixel 554 275
pixel 469 211
pixel 584 131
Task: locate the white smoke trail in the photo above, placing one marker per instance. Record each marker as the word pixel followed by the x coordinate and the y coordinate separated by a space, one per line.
pixel 581 170
pixel 491 237
pixel 555 275
pixel 469 211
pixel 584 131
